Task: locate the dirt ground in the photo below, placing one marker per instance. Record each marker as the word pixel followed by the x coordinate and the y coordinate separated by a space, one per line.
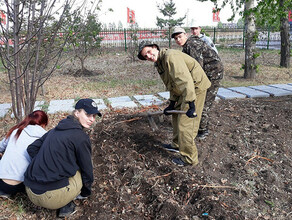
pixel 245 168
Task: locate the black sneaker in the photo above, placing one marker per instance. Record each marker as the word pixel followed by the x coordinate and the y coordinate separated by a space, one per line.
pixel 169 147
pixel 67 210
pixel 202 134
pixel 4 195
pixel 179 162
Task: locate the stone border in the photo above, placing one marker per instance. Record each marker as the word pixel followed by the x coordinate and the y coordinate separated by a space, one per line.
pixel 159 99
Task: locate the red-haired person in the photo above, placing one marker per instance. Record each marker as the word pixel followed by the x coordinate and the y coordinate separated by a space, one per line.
pixel 13 149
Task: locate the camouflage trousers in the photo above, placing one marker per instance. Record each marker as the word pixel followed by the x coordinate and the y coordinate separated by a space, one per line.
pixel 210 98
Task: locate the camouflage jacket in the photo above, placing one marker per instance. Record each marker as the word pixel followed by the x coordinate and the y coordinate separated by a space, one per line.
pixel 206 57
pixel 208 40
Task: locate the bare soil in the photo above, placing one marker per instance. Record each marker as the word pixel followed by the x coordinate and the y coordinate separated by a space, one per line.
pixel 245 168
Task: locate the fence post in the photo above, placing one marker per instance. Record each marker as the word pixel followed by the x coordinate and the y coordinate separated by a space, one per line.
pixel 243 34
pixel 169 38
pixel 125 36
pixel 268 41
pixel 214 38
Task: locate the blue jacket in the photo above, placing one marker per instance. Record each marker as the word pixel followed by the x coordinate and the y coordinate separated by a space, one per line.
pixel 57 156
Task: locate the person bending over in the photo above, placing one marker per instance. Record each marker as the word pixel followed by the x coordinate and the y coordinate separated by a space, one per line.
pixel 187 82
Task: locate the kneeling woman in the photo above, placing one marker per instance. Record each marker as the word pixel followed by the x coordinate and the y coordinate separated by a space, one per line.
pixel 15 158
pixel 61 166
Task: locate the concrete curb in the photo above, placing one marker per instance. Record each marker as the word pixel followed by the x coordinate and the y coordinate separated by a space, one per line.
pixel 261 91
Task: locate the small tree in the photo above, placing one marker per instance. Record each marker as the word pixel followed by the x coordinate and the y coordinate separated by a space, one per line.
pixel 168 10
pixel 240 23
pixel 219 24
pixel 37 47
pixel 120 25
pixel 84 38
pixel 133 44
pixel 112 25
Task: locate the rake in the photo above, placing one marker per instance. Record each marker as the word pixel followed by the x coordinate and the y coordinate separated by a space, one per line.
pixel 152 122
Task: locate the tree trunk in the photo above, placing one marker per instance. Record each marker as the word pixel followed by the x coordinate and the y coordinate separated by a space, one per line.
pixel 18 104
pixel 250 42
pixel 31 60
pixel 285 43
pixel 169 37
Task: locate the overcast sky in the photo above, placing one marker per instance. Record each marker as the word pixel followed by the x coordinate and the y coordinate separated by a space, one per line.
pixel 146 12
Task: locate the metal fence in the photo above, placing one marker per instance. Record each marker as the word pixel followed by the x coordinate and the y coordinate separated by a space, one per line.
pixel 223 37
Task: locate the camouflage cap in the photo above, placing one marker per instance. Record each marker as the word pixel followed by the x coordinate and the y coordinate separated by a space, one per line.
pixel 143 44
pixel 177 30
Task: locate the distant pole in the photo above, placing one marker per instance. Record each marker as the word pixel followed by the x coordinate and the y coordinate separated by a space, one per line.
pixel 125 36
pixel 243 34
pixel 169 38
pixel 268 41
pixel 214 38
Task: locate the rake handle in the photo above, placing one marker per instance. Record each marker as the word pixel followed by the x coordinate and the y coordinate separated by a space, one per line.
pixel 170 111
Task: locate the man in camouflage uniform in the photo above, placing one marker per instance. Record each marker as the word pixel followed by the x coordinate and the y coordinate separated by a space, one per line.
pixel 196 31
pixel 187 83
pixel 211 64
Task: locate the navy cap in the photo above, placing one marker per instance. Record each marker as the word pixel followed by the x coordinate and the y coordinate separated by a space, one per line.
pixel 88 105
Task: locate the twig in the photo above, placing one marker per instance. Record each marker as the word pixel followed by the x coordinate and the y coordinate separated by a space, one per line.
pixel 155 184
pixel 164 175
pixel 225 205
pixel 258 156
pixel 213 186
pixel 133 119
pixel 147 108
pixel 189 196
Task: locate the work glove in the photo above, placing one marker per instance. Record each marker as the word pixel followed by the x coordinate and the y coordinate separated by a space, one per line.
pixel 191 112
pixel 169 107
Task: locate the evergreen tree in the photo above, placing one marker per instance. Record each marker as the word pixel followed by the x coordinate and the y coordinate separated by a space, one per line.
pixel 120 25
pixel 168 10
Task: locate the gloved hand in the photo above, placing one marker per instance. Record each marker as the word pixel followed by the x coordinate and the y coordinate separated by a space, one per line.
pixel 191 112
pixel 169 107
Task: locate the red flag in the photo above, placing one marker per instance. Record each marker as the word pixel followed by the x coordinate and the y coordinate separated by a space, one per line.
pixel 216 15
pixel 290 16
pixel 2 17
pixel 130 16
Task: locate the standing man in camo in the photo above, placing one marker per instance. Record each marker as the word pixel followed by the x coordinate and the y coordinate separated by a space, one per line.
pixel 196 31
pixel 211 64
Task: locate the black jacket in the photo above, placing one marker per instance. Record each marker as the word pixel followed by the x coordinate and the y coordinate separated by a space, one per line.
pixel 57 156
